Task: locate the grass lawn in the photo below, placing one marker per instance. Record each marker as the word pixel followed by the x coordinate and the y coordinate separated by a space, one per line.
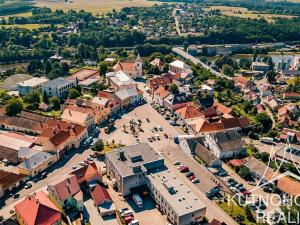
pixel 24 14
pixel 109 147
pixel 235 210
pixel 52 113
pixel 245 13
pixel 95 6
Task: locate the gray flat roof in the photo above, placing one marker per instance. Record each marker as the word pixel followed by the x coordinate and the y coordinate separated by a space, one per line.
pixel 134 157
pixel 59 81
pixel 181 199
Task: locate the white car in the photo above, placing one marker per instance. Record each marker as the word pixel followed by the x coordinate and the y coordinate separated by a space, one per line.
pixel 176 162
pixel 82 164
pixel 196 180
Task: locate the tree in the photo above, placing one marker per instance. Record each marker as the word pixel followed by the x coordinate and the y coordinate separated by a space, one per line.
pixel 54 103
pixel 103 68
pixel 245 63
pixel 245 173
pixel 265 121
pixel 45 97
pixel 173 88
pixel 98 146
pixel 271 75
pixel 14 106
pixel 33 99
pixel 228 70
pixel 73 93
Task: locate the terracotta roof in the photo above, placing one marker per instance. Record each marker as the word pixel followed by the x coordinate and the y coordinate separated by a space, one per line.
pixel 35 116
pixel 76 114
pixel 66 188
pixel 215 222
pixel 99 195
pixel 291 94
pixel 37 209
pixel 162 92
pixel 8 179
pixel 125 66
pixel 161 80
pixel 236 162
pixel 84 74
pixel 189 112
pixel 22 123
pixel 222 108
pixel 241 80
pixel 87 173
pixel 157 62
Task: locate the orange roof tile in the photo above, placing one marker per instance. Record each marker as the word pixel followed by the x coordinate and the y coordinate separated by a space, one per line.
pixel 189 112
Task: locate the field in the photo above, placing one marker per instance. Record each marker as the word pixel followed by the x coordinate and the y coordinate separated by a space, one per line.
pixel 26 26
pixel 245 13
pixel 94 6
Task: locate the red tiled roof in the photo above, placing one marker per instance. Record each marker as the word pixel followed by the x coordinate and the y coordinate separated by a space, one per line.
pixel 99 195
pixel 103 94
pixel 162 92
pixel 291 94
pixel 189 112
pixel 87 173
pixel 222 108
pixel 236 162
pixel 84 74
pixel 66 188
pixel 162 80
pixel 37 209
pixel 241 80
pixel 125 66
pixel 8 179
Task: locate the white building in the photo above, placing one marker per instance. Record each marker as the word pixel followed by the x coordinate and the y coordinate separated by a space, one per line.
pixel 59 87
pixel 225 144
pixel 260 66
pixel 179 67
pixel 33 84
pixel 120 80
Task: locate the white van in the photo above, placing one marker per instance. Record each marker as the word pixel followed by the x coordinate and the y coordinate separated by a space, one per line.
pixel 138 200
pixel 134 222
pixel 267 140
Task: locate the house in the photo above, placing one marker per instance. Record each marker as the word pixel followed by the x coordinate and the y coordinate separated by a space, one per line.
pixel 189 112
pixel 66 194
pixel 176 101
pixel 188 144
pixel 273 104
pixel 79 115
pixel 210 159
pixel 206 90
pixel 182 69
pixel 225 144
pixel 89 175
pixel 33 84
pixel 61 136
pixel 155 82
pixel 119 80
pixel 59 87
pixel 128 96
pixel 37 209
pixel 86 77
pixel 102 200
pixel 288 115
pixel 290 136
pixel 160 94
pixel 9 180
pixel 260 66
pixel 158 63
pixel 291 96
pixel 10 144
pixel 132 69
pixel 113 105
pixel 241 83
pixel 34 161
pixel 252 97
pixel 222 109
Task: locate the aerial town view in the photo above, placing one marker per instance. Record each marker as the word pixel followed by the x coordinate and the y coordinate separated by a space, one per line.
pixel 149 112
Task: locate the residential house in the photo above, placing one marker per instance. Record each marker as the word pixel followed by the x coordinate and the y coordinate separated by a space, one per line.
pixel 290 136
pixel 188 144
pixel 61 136
pixel 59 87
pixel 209 158
pixel 291 96
pixel 177 101
pixel 86 77
pixel 181 69
pixel 252 97
pixel 273 104
pixel 112 103
pixel 188 113
pixel 78 115
pixel 222 109
pixel 33 84
pixel 37 209
pixel 10 144
pixel 9 180
pixel 288 115
pixel 157 62
pixel 160 94
pixel 128 96
pixel 132 69
pixel 156 82
pixel 34 161
pixel 66 194
pixel 88 175
pixel 242 83
pixel 206 90
pixel 225 144
pixel 120 80
pixel 102 200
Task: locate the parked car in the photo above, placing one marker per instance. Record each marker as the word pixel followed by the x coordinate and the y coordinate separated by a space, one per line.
pixel 184 169
pixel 28 185
pixel 134 222
pixel 189 174
pixel 166 136
pixel 196 180
pixel 127 213
pixel 16 196
pixel 191 177
pixel 128 219
pixel 160 128
pixel 43 175
pixel 176 162
pixel 150 139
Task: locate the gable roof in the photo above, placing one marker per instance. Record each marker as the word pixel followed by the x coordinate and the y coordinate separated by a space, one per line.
pixel 75 115
pixel 8 179
pixel 207 156
pixel 66 188
pixel 87 173
pixel 222 108
pixel 22 123
pixel 189 112
pixel 162 92
pixel 227 140
pixel 99 195
pixel 164 79
pixel 34 160
pixel 37 209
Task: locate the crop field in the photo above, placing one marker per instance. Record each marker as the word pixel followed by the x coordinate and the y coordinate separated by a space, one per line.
pixel 245 13
pixel 26 26
pixel 94 6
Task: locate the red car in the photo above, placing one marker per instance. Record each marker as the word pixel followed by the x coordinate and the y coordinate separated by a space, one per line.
pixel 128 219
pixel 246 193
pixel 166 136
pixel 86 162
pixel 191 177
pixel 184 169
